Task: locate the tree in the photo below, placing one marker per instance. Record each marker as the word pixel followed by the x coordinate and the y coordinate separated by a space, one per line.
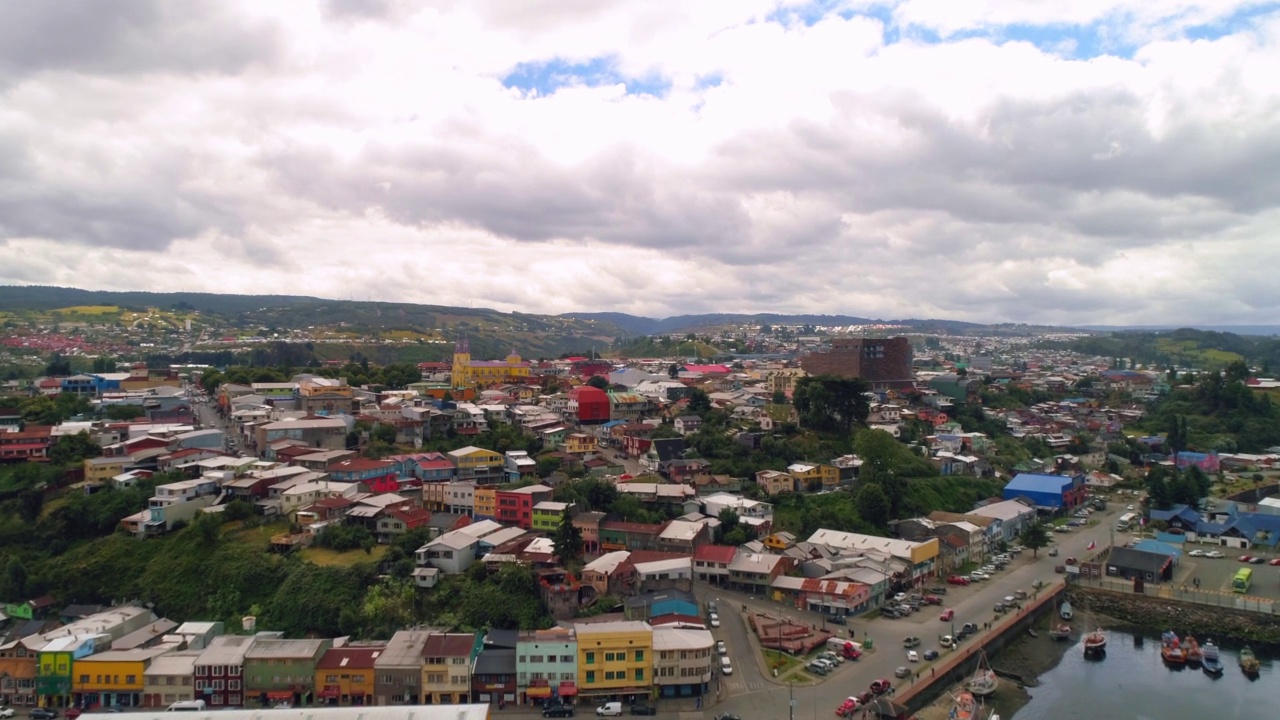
pixel 699 401
pixel 779 397
pixel 567 541
pixel 830 403
pixel 1159 494
pixel 385 432
pixel 124 412
pixel 58 366
pixel 673 371
pixel 598 381
pixel 873 504
pixel 72 449
pixel 1034 536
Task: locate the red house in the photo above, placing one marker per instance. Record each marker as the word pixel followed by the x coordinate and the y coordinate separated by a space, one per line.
pixel 31 444
pixel 515 507
pixel 592 404
pixel 378 475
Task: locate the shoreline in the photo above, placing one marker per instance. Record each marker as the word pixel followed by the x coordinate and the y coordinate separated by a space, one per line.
pixel 1032 657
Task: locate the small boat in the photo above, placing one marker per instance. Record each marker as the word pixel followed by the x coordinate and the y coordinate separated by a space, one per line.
pixel 984 681
pixel 1060 632
pixel 964 708
pixel 1065 611
pixel 1209 660
pixel 1249 662
pixel 1194 654
pixel 1095 643
pixel 1171 650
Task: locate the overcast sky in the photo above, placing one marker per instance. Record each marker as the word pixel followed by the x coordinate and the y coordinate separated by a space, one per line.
pixel 1093 161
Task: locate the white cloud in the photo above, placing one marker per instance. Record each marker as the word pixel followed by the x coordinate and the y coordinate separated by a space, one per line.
pixel 368 148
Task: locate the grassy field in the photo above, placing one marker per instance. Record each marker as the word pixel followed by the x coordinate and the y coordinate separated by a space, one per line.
pixel 89 310
pixel 325 556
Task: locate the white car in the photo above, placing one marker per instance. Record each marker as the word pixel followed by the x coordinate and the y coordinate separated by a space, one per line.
pixel 7 712
pixel 721 649
pixel 1214 554
pixel 715 620
pixel 726 667
pixel 1130 507
pixel 900 598
pixel 913 656
pixel 1196 553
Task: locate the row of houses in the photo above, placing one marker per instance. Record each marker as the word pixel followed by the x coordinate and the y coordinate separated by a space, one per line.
pixel 125 657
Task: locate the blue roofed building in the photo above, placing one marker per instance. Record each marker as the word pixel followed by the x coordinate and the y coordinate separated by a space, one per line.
pixel 1047 492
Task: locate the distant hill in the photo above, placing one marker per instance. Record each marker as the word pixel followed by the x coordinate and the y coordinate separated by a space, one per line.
pixel 1182 347
pixel 702 323
pixel 1260 330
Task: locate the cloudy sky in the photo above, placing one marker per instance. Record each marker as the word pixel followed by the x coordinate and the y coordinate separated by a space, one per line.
pixel 1093 161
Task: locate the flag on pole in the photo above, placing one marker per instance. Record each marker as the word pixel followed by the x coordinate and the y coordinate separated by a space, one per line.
pixel 1092 545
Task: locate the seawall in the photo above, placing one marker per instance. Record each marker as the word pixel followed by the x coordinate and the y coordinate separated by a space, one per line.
pixel 959 665
pixel 1164 614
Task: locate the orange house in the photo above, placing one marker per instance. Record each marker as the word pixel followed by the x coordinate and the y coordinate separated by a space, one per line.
pixel 344 676
pixel 18 671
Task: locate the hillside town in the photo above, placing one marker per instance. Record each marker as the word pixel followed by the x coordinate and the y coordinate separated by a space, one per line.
pixel 627 593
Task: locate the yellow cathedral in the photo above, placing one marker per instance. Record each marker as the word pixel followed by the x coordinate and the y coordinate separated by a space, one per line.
pixel 468 373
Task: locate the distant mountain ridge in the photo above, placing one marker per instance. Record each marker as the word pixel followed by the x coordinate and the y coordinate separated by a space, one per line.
pixel 689 323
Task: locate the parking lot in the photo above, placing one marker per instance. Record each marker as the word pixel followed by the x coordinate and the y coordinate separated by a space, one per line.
pixel 1216 574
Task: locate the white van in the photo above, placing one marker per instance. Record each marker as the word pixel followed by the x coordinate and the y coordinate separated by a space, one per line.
pixel 187 706
pixel 610 709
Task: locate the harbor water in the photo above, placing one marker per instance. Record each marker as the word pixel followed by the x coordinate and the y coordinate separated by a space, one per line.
pixel 1132 683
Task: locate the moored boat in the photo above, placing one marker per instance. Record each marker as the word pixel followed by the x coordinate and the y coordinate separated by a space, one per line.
pixel 1060 632
pixel 1194 654
pixel 984 681
pixel 1248 661
pixel 964 707
pixel 1065 611
pixel 1095 643
pixel 1171 650
pixel 1209 659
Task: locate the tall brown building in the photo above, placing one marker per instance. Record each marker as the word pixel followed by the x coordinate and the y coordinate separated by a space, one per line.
pixel 884 363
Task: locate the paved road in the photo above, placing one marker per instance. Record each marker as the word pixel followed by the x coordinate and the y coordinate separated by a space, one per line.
pixel 750 696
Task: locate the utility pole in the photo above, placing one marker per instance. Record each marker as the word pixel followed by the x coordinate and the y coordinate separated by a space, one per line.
pixel 791 700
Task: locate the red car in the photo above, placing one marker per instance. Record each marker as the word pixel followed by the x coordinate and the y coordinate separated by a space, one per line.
pixel 881 686
pixel 948 616
pixel 849 706
pixel 1245 558
pixel 958 580
pixel 1071 561
pixel 1274 561
pixel 932 600
pixel 73 713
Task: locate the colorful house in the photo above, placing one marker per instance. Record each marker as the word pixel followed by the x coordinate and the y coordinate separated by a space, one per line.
pixel 615 659
pixel 548 514
pixel 546 665
pixel 54 664
pixel 18 670
pixel 113 678
pixel 477 464
pixel 468 373
pixel 486 502
pixel 515 507
pixel 378 476
pixel 446 667
pixel 280 670
pixel 345 676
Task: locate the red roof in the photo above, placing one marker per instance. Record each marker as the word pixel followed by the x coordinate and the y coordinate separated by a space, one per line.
pixel 632 527
pixel 449 645
pixel 715 553
pixel 413 517
pixel 360 464
pixel 349 657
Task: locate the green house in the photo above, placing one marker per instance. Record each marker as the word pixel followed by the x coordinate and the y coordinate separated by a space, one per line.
pixel 54 665
pixel 280 670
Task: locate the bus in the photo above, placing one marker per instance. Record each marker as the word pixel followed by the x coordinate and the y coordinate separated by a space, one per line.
pixel 187 706
pixel 1126 521
pixel 1240 583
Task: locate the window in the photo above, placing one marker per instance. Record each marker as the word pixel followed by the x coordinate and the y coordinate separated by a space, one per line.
pixel 130 679
pixel 591 658
pixel 237 669
pixel 537 658
pixel 331 679
pixel 639 674
pixel 639 656
pixel 233 684
pixel 387 679
pixel 608 675
pixel 357 678
pixel 168 680
pixel 84 679
pixel 591 676
pixel 566 658
pixel 233 699
pixel 215 699
pixel 217 685
pixel 202 670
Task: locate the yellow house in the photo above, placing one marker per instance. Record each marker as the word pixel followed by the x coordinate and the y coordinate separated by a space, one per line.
pixel 773 482
pixel 486 502
pixel 101 469
pixel 814 477
pixel 345 676
pixel 614 658
pixel 579 444
pixel 468 373
pixel 478 464
pixel 114 677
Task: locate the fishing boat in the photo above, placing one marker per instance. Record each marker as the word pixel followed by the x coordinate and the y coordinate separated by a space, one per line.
pixel 1249 662
pixel 984 681
pixel 964 708
pixel 1171 650
pixel 1194 654
pixel 1209 660
pixel 1065 611
pixel 1095 643
pixel 1060 632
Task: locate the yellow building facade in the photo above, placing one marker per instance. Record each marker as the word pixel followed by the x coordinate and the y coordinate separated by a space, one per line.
pixel 486 501
pixel 468 373
pixel 615 658
pixel 114 677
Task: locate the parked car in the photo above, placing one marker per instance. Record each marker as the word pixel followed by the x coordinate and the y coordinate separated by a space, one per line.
pixel 728 716
pixel 999 607
pixel 880 687
pixel 958 580
pixel 609 709
pixel 938 590
pixel 948 642
pixel 932 600
pixel 557 710
pixel 1196 553
pixel 911 642
pixel 1256 560
pixel 1274 561
pixel 43 713
pixel 643 708
pixel 838 620
pixel 948 615
pixel 721 649
pixel 979 576
pixel 902 671
pixel 913 656
pixel 1053 552
pixel 969 628
pixel 711 606
pixel 1070 561
pixel 900 598
pixel 848 707
pixel 889 613
pixel 1215 554
pixel 816 667
pixel 73 712
pixel 930 654
pixel 7 712
pixel 726 666
pixel 715 620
